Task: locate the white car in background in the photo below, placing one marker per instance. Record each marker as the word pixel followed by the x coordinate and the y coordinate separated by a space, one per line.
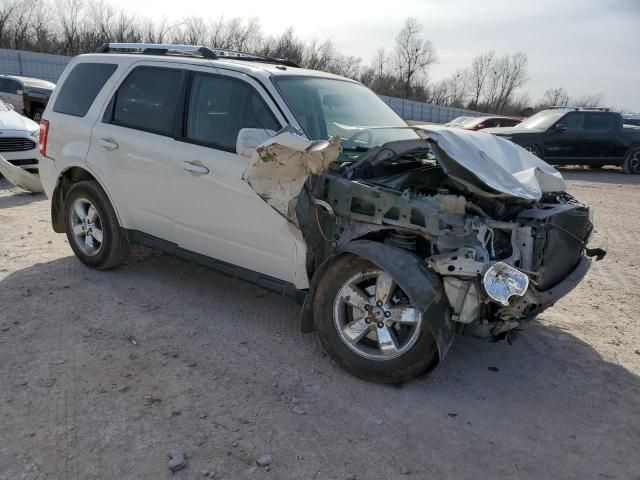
pixel 18 139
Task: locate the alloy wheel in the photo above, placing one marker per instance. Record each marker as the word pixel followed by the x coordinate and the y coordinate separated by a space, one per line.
pixel 374 317
pixel 86 227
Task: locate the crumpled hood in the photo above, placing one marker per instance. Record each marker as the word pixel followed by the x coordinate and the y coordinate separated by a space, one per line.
pixel 491 166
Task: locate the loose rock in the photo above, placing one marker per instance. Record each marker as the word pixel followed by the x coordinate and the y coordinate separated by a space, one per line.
pixel 264 460
pixel 178 461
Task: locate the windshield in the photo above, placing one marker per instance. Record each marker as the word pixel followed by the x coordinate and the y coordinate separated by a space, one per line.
pixel 325 107
pixel 543 119
pixel 458 120
pixel 471 121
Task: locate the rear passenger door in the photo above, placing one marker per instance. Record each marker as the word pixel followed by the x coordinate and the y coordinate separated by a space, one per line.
pixel 217 213
pixel 131 146
pixel 602 130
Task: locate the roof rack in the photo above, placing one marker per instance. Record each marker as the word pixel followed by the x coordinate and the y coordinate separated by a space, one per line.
pixel 580 109
pixel 189 51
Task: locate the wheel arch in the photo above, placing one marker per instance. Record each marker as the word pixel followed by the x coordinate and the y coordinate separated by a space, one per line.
pixel 67 177
pixel 423 287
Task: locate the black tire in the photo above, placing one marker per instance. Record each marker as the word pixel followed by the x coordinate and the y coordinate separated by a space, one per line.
pixel 631 162
pixel 37 115
pixel 114 246
pixel 533 149
pixel 422 355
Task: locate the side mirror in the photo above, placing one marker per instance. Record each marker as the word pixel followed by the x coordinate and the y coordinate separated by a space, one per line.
pixel 480 127
pixel 250 138
pixel 560 128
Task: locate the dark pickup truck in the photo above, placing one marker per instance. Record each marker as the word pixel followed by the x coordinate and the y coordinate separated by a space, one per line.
pixel 578 136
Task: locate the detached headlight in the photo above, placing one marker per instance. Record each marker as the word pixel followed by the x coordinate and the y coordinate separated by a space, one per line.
pixel 502 281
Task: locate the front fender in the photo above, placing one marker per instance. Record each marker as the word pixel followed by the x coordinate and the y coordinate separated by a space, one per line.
pixel 422 286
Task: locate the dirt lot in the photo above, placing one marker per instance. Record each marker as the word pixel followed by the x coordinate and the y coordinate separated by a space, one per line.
pixel 102 373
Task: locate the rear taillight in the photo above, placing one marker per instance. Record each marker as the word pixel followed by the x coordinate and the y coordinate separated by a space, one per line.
pixel 44 134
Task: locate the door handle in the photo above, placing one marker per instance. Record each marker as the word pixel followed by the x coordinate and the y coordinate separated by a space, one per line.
pixel 108 144
pixel 195 167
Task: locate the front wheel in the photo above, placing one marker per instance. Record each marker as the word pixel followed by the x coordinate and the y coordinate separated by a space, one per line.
pixel 369 326
pixel 533 149
pixel 632 161
pixel 92 227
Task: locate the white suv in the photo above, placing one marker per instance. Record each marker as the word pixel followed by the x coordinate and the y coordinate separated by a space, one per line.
pixel 393 240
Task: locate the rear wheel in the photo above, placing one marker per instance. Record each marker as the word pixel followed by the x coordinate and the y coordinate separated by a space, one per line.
pixel 632 161
pixel 369 325
pixel 92 227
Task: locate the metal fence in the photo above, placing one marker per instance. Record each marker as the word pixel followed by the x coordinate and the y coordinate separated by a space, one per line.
pixel 50 67
pixel 29 64
pixel 428 112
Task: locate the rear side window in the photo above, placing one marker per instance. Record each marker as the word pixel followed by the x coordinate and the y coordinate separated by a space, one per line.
pixel 81 88
pixel 601 123
pixel 219 107
pixel 146 100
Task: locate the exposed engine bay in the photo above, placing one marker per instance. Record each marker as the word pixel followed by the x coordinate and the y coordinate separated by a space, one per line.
pixel 490 219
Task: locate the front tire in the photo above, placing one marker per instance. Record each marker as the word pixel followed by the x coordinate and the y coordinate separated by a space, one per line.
pixel 368 324
pixel 92 227
pixel 533 149
pixel 632 161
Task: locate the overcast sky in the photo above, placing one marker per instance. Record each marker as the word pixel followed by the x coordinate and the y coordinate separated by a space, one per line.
pixel 585 46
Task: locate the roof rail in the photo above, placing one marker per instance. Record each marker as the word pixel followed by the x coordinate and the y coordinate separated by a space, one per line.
pixel 190 50
pixel 579 109
pixel 158 49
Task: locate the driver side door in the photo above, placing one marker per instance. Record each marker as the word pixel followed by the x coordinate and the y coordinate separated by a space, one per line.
pixel 565 139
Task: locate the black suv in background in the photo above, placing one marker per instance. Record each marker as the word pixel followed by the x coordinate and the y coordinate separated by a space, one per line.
pixel 578 136
pixel 28 96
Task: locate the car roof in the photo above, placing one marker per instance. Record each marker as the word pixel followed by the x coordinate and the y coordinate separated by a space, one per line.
pixel 32 82
pixel 243 66
pixel 487 117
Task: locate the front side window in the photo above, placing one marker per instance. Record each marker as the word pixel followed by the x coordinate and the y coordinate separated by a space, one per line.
pixel 81 87
pixel 147 100
pixel 573 121
pixel 325 107
pixel 219 107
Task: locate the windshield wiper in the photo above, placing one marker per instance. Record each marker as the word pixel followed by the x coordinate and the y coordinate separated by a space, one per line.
pixel 357 148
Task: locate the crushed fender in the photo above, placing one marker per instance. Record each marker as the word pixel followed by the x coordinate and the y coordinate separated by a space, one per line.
pixel 282 164
pixel 20 177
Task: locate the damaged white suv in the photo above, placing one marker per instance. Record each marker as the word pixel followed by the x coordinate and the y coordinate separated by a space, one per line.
pixel 393 238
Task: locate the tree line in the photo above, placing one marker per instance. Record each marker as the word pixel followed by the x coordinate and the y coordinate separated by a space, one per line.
pixel 492 83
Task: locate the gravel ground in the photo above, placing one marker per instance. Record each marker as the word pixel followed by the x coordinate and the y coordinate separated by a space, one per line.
pixel 103 373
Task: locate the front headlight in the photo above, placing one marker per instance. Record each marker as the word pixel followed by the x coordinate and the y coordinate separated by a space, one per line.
pixel 502 281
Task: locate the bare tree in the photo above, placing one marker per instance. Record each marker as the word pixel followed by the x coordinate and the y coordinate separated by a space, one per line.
pixel 556 97
pixel 589 100
pixel 478 74
pixel 413 54
pixel 69 16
